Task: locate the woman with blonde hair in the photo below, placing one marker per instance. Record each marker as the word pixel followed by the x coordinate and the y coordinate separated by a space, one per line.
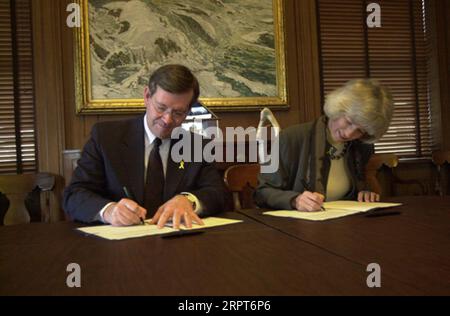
pixel 325 159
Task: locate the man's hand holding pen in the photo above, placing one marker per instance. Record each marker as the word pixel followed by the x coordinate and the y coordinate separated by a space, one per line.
pixel 124 213
pixel 127 212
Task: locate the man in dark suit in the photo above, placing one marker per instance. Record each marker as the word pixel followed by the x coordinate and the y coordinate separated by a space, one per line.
pixel 126 172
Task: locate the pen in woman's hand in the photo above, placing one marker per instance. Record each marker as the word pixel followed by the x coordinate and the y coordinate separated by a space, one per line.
pixel 129 196
pixel 306 187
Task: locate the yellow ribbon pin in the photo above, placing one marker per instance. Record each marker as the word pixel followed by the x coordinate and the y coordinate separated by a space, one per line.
pixel 181 165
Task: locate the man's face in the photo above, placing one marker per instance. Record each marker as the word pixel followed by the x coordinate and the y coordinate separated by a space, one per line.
pixel 342 129
pixel 166 111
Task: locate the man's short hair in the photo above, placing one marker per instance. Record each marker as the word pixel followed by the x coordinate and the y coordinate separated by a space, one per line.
pixel 175 79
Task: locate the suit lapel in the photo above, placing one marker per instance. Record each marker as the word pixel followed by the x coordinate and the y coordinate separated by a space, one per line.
pixel 132 157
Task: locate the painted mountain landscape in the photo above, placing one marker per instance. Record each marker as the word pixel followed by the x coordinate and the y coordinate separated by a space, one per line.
pixel 228 44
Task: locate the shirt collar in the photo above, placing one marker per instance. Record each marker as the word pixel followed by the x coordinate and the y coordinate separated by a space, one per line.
pixel 150 137
pixel 148 133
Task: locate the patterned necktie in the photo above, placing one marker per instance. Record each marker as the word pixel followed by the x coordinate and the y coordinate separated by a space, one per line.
pixel 154 184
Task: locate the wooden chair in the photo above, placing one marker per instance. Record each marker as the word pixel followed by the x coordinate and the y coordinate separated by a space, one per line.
pixel 30 197
pixel 242 180
pixel 441 159
pixel 376 163
pixel 382 178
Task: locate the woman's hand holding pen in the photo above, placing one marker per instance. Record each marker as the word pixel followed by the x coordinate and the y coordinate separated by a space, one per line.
pixel 308 202
pixel 124 213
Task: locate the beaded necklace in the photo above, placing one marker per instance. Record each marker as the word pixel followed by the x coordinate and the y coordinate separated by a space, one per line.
pixel 334 154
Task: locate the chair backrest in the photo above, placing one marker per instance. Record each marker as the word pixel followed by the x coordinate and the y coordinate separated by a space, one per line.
pixel 242 180
pixel 384 180
pixel 441 158
pixel 29 197
pixel 375 179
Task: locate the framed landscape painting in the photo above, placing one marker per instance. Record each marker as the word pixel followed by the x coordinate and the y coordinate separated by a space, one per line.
pixel 234 47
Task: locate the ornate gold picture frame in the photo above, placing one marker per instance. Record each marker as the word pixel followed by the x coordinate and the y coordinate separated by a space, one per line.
pixel 235 48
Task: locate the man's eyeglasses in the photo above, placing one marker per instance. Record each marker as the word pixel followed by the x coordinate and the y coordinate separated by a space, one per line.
pixel 162 109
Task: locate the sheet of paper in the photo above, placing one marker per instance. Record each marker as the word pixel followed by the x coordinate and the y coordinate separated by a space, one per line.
pixel 358 206
pixel 119 233
pixel 209 222
pixel 333 209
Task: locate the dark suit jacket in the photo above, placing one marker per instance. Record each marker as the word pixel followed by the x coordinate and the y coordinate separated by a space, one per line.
pixel 114 157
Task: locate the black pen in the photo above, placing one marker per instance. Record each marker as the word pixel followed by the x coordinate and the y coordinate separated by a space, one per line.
pixel 379 214
pixel 306 187
pixel 131 197
pixel 181 233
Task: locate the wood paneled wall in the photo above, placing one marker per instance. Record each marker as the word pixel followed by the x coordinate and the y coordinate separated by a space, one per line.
pixel 49 78
pixel 442 12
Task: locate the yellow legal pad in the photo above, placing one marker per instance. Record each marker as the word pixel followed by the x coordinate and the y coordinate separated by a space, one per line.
pixel 333 210
pixel 119 233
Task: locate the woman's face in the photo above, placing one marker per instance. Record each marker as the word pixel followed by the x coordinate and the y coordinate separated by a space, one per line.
pixel 342 129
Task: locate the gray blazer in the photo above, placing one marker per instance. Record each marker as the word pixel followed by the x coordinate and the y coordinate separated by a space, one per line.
pixel 302 155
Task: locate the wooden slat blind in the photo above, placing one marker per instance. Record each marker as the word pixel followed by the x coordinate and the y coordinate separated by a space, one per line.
pixel 397 54
pixel 17 116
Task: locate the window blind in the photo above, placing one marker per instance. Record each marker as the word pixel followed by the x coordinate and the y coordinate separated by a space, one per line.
pixel 397 54
pixel 17 116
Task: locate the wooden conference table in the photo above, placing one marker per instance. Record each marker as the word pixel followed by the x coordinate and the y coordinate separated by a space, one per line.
pixel 413 247
pixel 261 256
